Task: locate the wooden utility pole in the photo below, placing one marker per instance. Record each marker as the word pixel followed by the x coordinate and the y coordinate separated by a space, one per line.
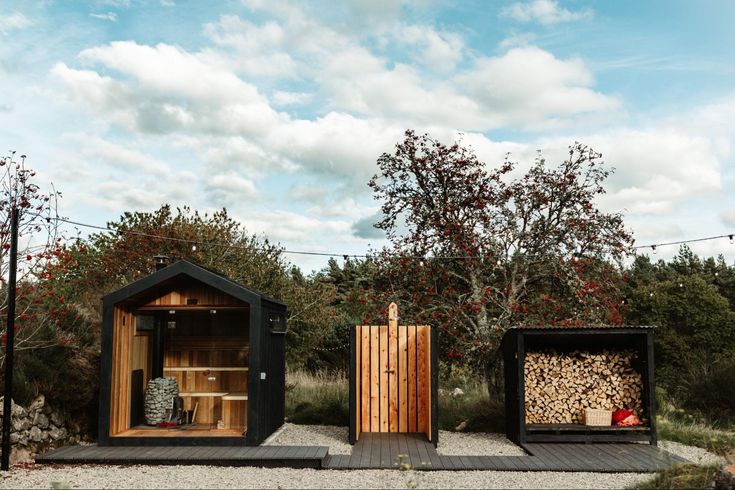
pixel 9 340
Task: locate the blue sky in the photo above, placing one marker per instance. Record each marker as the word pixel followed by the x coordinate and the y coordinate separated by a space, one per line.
pixel 278 110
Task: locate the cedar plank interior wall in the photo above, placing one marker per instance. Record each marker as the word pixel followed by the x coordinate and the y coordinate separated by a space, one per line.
pixel 205 296
pixel 131 351
pixel 393 383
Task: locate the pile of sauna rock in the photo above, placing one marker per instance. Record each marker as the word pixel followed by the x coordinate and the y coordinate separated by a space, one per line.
pixel 158 399
pixel 38 428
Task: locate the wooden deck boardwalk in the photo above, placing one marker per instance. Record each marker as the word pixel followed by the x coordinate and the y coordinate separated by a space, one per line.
pixel 382 451
pixel 266 456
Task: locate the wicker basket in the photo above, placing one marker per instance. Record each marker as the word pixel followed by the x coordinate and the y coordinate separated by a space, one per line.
pixel 593 416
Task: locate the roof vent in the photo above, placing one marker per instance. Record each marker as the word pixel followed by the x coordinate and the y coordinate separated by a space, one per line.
pixel 161 261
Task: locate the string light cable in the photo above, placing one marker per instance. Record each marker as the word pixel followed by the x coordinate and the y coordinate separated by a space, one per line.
pixel 194 243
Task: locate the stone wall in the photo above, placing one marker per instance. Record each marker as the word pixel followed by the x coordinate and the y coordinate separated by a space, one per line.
pixel 38 428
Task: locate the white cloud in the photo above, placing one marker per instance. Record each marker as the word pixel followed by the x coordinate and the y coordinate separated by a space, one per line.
pixel 99 151
pixel 523 39
pixel 528 84
pixel 166 89
pixel 14 21
pixel 535 87
pixel 728 218
pixel 546 12
pixel 257 50
pixel 110 16
pixel 226 188
pixel 285 98
pixel 280 225
pixel 439 51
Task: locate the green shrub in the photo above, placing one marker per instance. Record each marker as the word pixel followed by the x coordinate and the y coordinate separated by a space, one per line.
pixel 709 388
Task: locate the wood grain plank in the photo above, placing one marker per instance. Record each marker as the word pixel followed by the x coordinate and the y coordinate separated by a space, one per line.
pixel 427 386
pixel 421 378
pixel 374 379
pixel 412 416
pixel 403 379
pixel 425 460
pixel 365 373
pixel 383 378
pixel 393 376
pixel 358 382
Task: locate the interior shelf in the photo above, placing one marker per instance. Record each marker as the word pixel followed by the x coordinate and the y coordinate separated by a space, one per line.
pixel 235 396
pixel 214 394
pixel 199 368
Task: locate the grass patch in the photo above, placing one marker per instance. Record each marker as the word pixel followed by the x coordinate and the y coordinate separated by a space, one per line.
pixel 473 408
pixel 695 434
pixel 691 428
pixel 320 398
pixel 682 476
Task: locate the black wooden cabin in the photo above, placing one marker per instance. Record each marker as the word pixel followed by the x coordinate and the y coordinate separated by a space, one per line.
pixel 224 343
pixel 521 340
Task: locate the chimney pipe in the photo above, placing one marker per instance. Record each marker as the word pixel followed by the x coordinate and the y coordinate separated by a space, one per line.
pixel 161 261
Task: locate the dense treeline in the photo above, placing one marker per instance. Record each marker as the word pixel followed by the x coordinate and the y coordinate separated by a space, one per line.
pixel 477 251
pixel 690 300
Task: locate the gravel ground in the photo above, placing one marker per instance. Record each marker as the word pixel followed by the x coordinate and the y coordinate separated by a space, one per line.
pixel 479 444
pixel 313 435
pixel 450 443
pixel 98 476
pixel 694 454
pixel 228 477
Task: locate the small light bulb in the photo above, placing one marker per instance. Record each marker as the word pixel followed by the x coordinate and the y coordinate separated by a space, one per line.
pixel 650 294
pixel 421 263
pixel 681 285
pixel 717 274
pixel 193 248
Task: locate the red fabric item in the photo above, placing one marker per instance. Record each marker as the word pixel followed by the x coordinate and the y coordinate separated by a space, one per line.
pixel 629 421
pixel 620 414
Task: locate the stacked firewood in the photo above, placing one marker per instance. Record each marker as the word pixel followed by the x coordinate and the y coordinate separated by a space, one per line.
pixel 559 386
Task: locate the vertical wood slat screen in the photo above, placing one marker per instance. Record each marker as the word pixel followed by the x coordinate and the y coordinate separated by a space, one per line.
pixel 123 335
pixel 393 377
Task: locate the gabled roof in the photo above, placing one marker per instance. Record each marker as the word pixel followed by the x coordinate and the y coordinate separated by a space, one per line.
pixel 188 269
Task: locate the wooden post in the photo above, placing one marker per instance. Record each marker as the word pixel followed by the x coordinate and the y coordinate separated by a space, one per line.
pixel 9 340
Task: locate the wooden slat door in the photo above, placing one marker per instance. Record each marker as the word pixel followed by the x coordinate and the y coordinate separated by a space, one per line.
pixel 392 386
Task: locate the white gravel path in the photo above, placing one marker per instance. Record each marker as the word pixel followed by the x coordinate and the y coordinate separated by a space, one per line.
pixel 313 435
pixel 156 477
pixel 476 444
pixel 451 443
pixel 694 454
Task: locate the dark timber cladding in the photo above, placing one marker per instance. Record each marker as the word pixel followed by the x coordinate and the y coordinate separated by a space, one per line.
pixel 393 379
pixel 221 341
pixel 519 341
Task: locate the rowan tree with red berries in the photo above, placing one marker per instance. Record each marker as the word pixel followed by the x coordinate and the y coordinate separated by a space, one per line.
pixel 475 250
pixel 41 254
